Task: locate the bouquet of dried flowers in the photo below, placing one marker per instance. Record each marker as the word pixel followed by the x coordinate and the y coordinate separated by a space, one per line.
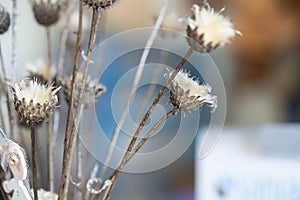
pixel 35 102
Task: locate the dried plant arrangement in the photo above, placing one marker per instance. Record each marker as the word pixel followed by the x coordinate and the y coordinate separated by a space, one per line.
pixel 52 100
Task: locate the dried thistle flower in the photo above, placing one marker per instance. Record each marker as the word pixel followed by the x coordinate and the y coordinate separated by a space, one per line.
pixel 93 90
pixel 99 3
pixel 46 195
pixel 187 94
pixel 45 12
pixel 4 20
pixel 207 29
pixel 33 100
pixel 42 72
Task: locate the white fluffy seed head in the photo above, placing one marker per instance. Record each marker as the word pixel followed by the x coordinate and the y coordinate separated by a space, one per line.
pixel 34 100
pixel 34 91
pixel 187 94
pixel 208 28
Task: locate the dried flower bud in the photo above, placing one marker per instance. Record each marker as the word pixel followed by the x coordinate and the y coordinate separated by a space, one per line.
pixel 207 29
pixel 99 3
pixel 92 92
pixel 46 13
pixel 4 20
pixel 33 100
pixel 186 94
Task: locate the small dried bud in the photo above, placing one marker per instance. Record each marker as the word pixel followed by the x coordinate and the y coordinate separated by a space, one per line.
pixel 186 94
pixel 46 13
pixel 207 29
pixel 33 100
pixel 99 3
pixel 92 92
pixel 4 20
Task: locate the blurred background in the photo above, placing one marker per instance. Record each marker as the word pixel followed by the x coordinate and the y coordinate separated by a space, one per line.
pixel 260 71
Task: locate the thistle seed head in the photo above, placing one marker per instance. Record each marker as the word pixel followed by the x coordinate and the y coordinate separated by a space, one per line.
pixel 33 100
pixel 4 20
pixel 99 3
pixel 207 29
pixel 187 94
pixel 93 90
pixel 46 13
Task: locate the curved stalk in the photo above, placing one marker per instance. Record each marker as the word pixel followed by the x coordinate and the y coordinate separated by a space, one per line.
pixel 114 177
pixel 146 117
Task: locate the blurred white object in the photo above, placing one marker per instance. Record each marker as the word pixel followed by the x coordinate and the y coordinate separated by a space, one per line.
pixel 19 190
pixel 252 164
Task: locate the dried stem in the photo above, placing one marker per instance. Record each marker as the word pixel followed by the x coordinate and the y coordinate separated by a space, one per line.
pixel 63 42
pixel 79 167
pixel 114 177
pixel 152 87
pixel 74 76
pixel 14 41
pixel 149 134
pixel 33 156
pixel 50 119
pixel 2 119
pixel 13 64
pixel 3 69
pixel 48 36
pixel 63 190
pixel 50 153
pixel 134 86
pixel 116 173
pixel 8 103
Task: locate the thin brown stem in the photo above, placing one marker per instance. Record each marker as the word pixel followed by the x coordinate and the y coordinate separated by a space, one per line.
pixel 137 148
pixel 33 156
pixel 50 153
pixel 2 118
pixel 63 42
pixel 65 179
pixel 152 87
pixel 10 114
pixel 74 76
pixel 48 36
pixel 150 133
pixel 71 101
pixel 14 41
pixel 79 168
pixel 50 119
pixel 137 78
pixel 144 120
pixel 8 103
